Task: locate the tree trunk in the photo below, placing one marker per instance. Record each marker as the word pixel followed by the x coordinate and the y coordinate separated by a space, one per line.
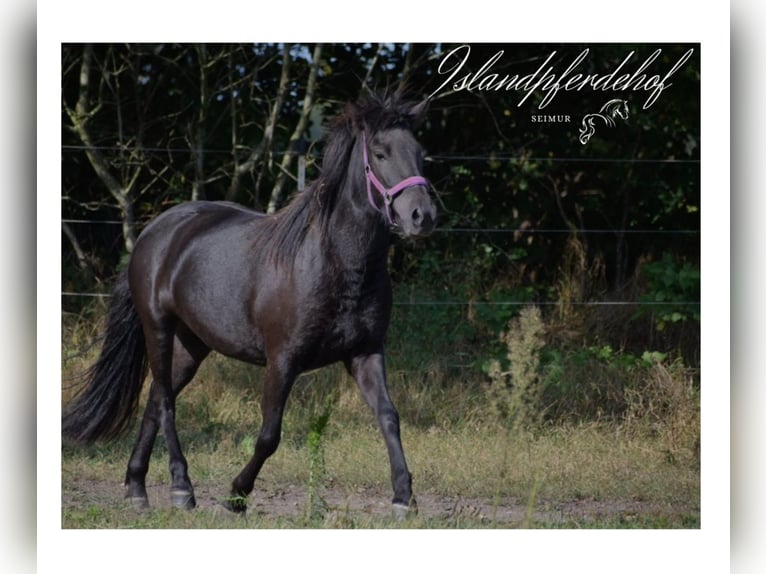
pixel 278 193
pixel 79 118
pixel 198 132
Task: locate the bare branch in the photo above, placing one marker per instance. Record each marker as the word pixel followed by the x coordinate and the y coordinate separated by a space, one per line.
pixel 155 179
pixel 82 259
pixel 372 66
pixel 265 144
pixel 406 68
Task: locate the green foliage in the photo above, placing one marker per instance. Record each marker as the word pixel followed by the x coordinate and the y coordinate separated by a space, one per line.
pixel 580 383
pixel 500 306
pixel 673 291
pixel 247 445
pixel 599 383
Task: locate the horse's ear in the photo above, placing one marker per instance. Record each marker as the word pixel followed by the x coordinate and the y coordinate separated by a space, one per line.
pixel 418 112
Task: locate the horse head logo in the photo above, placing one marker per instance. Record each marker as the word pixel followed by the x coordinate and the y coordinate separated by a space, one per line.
pixel 616 108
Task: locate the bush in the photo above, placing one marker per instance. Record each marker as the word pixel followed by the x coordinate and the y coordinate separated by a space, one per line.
pixel 673 291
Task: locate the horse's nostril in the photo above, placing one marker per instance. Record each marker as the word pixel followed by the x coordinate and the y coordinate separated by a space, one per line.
pixel 416 216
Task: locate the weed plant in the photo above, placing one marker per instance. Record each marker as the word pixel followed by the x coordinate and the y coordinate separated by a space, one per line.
pixel 515 391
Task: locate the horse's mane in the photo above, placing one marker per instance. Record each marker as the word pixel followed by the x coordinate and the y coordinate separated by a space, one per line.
pixel 288 227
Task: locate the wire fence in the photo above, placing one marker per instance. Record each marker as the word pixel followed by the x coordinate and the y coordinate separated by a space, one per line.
pixel 425 303
pixel 480 229
pixel 437 158
pixel 435 303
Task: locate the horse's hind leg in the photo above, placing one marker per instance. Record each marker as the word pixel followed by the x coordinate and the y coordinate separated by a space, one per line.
pixel 138 465
pixel 187 354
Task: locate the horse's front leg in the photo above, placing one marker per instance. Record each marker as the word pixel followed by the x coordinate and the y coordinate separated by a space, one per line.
pixel 276 389
pixel 369 371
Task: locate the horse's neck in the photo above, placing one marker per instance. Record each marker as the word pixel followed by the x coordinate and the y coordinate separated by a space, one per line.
pixel 358 238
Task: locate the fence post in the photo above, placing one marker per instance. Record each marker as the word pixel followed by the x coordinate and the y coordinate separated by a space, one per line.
pixel 301 173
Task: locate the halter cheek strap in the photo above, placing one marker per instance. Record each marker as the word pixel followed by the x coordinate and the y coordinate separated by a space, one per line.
pixel 387 194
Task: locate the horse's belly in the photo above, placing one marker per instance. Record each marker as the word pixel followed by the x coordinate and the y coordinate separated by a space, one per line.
pixel 222 323
pixel 243 344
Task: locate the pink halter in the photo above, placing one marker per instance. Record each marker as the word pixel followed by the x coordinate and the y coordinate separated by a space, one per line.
pixel 387 194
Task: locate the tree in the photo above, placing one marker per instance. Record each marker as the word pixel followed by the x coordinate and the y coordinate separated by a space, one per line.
pixel 122 185
pixel 148 126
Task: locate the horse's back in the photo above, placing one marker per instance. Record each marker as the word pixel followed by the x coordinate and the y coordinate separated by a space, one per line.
pixel 193 218
pixel 199 213
pixel 208 229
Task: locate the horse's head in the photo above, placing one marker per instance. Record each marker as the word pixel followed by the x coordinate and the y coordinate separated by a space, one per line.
pixel 392 161
pixel 621 109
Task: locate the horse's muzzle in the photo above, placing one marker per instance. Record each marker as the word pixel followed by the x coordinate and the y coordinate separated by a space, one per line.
pixel 423 220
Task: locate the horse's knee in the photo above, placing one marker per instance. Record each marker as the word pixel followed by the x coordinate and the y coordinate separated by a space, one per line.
pixel 388 418
pixel 137 469
pixel 268 442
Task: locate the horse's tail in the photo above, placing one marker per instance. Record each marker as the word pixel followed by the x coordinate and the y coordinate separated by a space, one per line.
pixel 588 129
pixel 109 398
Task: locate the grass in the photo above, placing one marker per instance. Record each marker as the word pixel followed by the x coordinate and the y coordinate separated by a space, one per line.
pixel 593 465
pixel 470 470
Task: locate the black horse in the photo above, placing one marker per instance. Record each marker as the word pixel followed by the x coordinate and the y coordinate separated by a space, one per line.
pixel 294 291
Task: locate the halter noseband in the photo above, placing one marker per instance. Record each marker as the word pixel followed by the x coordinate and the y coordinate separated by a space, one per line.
pixel 387 194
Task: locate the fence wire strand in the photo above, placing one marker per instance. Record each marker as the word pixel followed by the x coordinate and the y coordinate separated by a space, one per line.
pixel 426 303
pixel 435 158
pixel 497 230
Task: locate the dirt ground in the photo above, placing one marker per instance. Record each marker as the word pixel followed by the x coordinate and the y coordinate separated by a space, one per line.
pixel 289 502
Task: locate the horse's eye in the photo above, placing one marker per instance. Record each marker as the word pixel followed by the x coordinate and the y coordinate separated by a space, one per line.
pixel 380 156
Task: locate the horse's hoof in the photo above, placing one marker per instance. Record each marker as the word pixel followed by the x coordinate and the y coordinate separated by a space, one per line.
pixel 403 511
pixel 138 502
pixel 183 499
pixel 237 504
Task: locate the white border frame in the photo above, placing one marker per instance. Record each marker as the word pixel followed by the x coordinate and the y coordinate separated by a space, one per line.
pixel 706 549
